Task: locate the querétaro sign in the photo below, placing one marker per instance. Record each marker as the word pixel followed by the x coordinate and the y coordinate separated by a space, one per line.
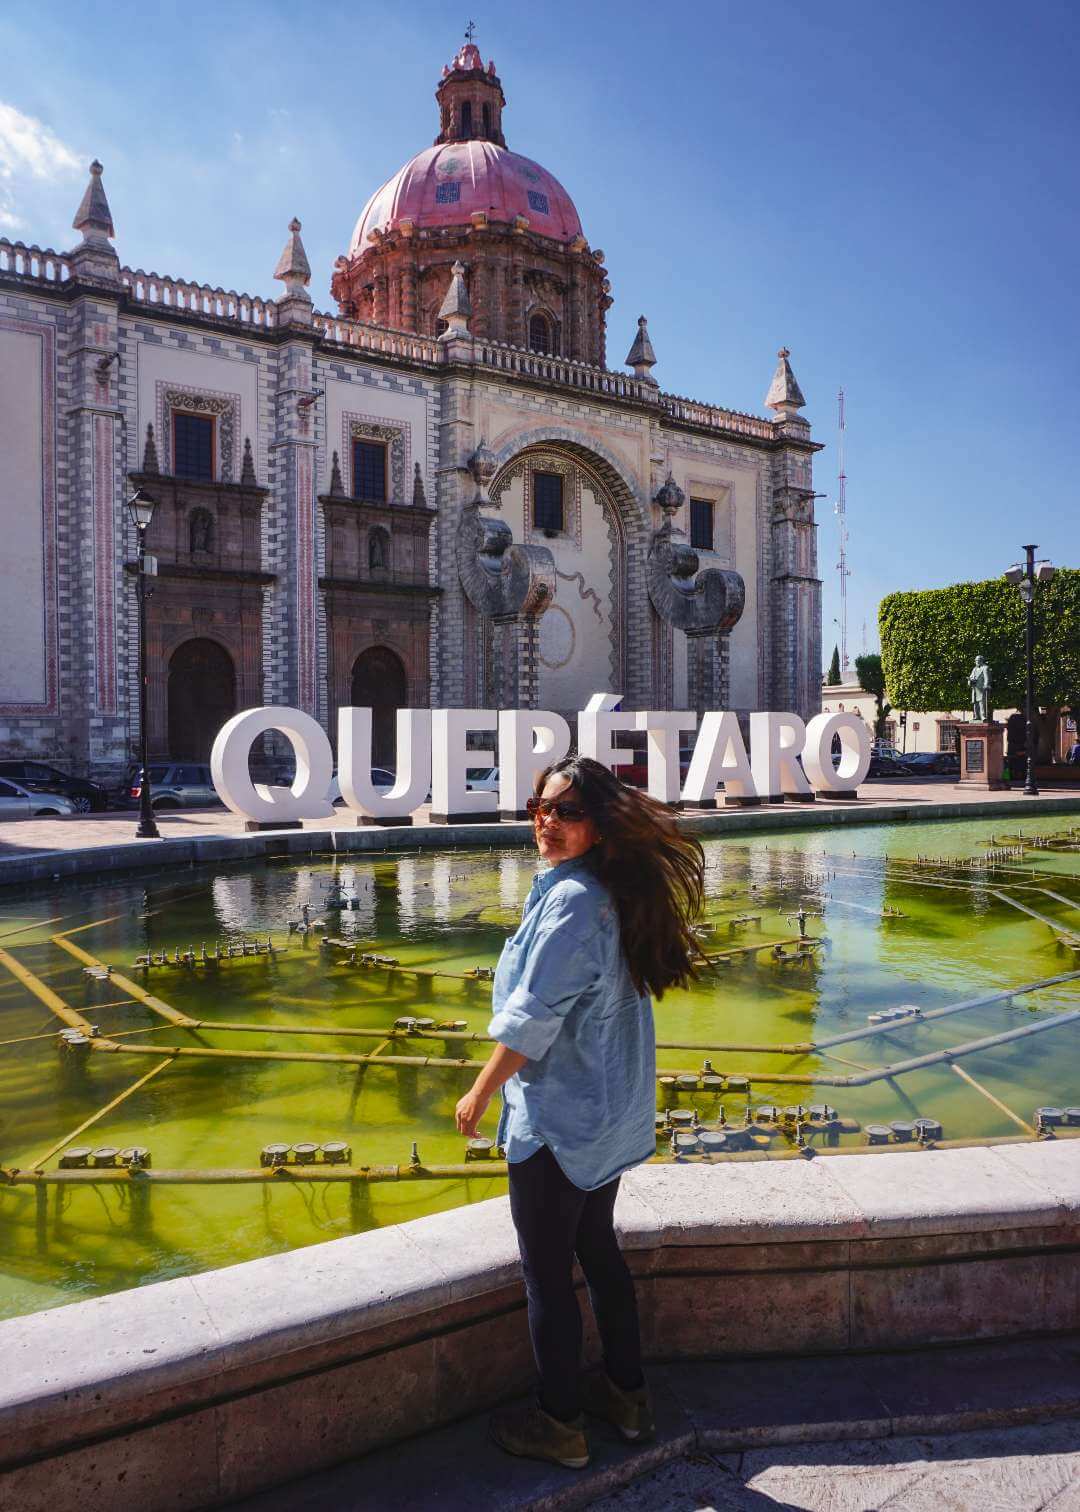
pixel 434 754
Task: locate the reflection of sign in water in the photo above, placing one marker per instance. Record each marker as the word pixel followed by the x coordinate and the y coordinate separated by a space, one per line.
pixel 975 755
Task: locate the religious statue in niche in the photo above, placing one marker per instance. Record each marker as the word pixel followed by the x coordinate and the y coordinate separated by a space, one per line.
pixel 201 530
pixel 979 680
pixel 378 543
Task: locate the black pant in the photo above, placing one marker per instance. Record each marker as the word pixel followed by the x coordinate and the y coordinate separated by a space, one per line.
pixel 555 1221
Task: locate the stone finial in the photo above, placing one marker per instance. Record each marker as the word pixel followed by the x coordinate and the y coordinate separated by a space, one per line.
pixel 641 356
pixel 247 467
pixel 293 268
pixel 150 456
pixel 419 497
pixel 784 396
pixel 456 307
pixel 93 217
pixel 669 496
pixel 337 487
pixel 483 464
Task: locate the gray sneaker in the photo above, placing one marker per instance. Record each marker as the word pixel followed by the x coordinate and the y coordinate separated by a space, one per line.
pixel 628 1411
pixel 534 1434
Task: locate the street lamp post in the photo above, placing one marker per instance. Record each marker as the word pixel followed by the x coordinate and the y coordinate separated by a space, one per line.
pixel 141 509
pixel 1024 578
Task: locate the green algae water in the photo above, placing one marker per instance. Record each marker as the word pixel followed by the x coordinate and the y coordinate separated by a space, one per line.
pixel 810 932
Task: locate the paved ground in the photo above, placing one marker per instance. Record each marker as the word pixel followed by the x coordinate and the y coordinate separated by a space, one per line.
pixel 76 831
pixel 1029 1469
pixel 991 1427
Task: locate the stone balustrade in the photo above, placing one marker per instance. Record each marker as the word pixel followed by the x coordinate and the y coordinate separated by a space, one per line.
pixel 44 266
pixel 171 294
pixel 383 339
pixel 549 369
pixel 695 413
pixel 41 264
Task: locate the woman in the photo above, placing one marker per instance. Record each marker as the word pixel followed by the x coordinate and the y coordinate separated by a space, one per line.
pixel 608 926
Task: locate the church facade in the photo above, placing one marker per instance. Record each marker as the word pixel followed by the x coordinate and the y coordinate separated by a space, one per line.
pixel 437 494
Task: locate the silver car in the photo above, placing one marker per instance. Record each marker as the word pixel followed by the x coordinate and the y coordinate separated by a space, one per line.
pixel 173 785
pixel 19 803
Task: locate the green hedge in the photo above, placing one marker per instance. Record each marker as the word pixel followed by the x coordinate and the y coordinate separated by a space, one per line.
pixel 929 641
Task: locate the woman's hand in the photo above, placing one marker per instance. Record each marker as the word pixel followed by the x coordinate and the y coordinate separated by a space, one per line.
pixel 470 1110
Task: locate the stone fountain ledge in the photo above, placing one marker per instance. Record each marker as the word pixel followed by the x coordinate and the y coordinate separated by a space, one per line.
pixel 193 1392
pixel 36 851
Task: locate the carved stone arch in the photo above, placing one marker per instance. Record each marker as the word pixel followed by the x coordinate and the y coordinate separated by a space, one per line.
pixel 630 498
pixel 627 509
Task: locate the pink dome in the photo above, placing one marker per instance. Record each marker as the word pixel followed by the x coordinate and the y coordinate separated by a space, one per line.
pixel 447 184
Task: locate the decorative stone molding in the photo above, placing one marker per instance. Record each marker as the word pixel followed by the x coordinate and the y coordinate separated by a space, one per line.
pixel 398 437
pixel 171 397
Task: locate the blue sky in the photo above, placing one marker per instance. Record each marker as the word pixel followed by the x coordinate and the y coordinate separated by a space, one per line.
pixel 889 190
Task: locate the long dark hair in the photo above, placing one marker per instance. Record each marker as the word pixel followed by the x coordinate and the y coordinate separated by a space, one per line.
pixel 654 873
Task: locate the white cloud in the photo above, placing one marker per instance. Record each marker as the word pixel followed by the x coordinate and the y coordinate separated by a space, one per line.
pixel 9 221
pixel 29 148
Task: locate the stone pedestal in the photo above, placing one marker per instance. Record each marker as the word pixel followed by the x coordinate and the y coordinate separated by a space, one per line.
pixel 981 756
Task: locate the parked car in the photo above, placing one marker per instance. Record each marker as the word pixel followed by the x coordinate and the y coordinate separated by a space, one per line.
pixel 380 778
pixel 20 803
pixel 173 785
pixel 933 763
pixel 483 781
pixel 38 777
pixel 885 766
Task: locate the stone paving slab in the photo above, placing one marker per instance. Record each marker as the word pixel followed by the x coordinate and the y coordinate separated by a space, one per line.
pixel 1025 1469
pixel 832 1434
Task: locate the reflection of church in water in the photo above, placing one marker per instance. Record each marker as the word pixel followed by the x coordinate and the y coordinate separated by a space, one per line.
pixel 438 495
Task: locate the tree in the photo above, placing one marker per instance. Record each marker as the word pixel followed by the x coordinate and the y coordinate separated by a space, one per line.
pixel 929 641
pixel 833 679
pixel 872 680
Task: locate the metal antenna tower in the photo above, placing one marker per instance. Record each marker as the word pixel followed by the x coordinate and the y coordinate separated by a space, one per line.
pixel 842 566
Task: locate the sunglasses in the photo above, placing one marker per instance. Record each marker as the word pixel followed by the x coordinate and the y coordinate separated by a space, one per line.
pixel 543 808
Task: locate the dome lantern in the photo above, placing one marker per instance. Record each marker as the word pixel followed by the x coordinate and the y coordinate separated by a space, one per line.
pixel 470 100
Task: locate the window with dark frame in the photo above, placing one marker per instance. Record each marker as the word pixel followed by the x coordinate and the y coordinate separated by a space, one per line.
pixel 948 735
pixel 487 119
pixel 369 471
pixel 701 524
pixel 466 118
pixel 547 501
pixel 193 446
pixel 539 334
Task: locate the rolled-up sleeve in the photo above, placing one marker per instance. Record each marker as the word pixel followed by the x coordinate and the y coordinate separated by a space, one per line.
pixel 560 963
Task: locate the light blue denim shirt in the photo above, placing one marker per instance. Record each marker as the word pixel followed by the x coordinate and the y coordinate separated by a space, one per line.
pixel 564 997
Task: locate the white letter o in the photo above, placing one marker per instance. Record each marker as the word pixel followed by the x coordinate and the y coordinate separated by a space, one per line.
pixel 306 799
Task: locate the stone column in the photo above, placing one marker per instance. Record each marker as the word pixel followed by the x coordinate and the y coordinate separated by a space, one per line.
pixel 408 295
pixel 380 302
pixel 708 657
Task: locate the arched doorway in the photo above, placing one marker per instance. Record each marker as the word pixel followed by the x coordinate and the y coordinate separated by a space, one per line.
pixel 379 684
pixel 202 696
